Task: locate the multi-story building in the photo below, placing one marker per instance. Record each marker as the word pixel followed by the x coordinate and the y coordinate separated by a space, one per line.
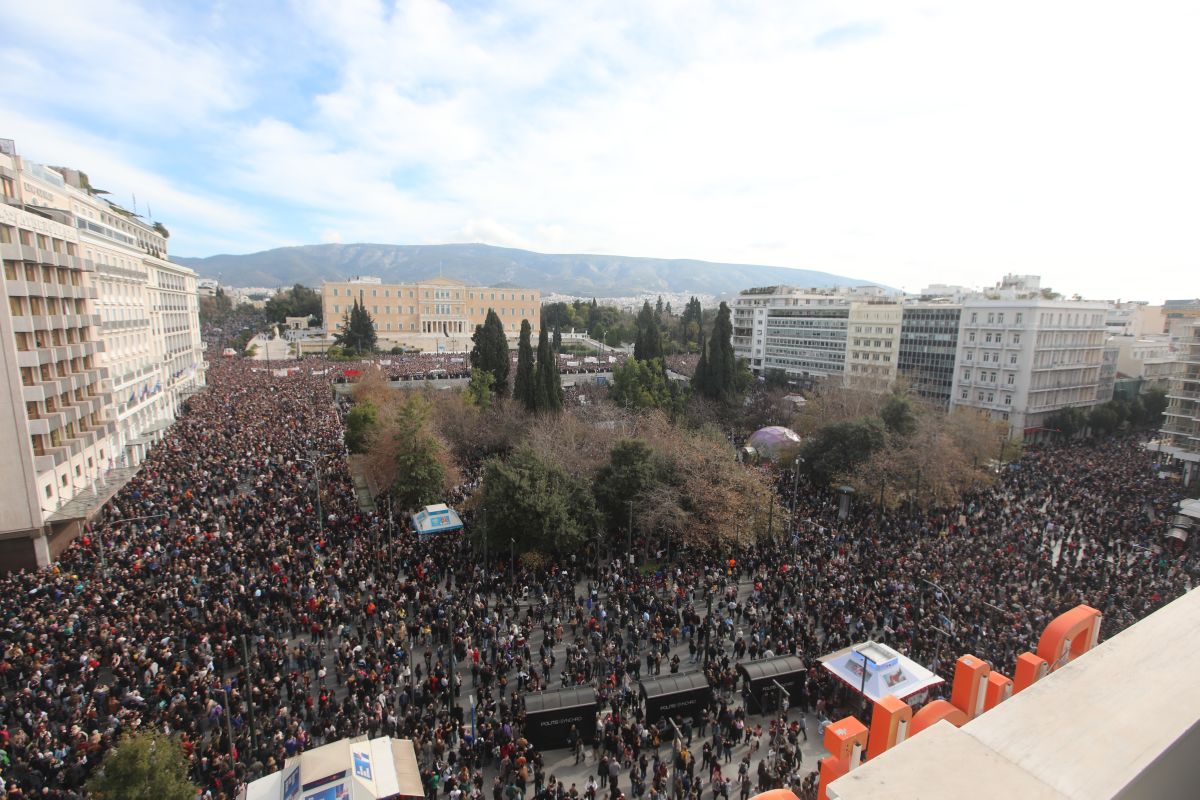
pixel 799 331
pixel 1180 435
pixel 1148 359
pixel 121 325
pixel 1021 360
pixel 873 345
pixel 928 347
pixel 438 314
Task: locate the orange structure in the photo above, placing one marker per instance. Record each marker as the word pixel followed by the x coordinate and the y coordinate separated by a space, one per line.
pixel 975 690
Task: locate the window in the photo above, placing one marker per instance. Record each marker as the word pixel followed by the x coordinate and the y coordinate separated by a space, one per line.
pixel 1016 338
pixel 1012 358
pixel 335 294
pixel 964 394
pixel 971 336
pixel 1011 378
pixel 1019 318
pixel 1008 399
pixel 1000 318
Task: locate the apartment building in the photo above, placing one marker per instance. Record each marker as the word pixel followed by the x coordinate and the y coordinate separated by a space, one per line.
pixel 1021 360
pixel 435 315
pixel 1180 434
pixel 102 340
pixel 928 348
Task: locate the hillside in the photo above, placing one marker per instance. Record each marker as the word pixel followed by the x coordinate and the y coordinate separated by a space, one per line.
pixel 583 275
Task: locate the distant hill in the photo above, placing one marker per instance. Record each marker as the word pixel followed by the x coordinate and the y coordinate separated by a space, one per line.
pixel 582 275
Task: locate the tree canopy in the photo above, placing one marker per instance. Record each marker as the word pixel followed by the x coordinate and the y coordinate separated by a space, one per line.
pixel 490 352
pixel 641 385
pixel 358 330
pixel 836 450
pixel 147 765
pixel 536 504
pixel 299 301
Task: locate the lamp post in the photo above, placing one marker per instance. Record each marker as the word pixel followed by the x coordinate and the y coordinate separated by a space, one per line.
pixel 315 464
pixel 795 480
pixel 629 531
pixel 228 726
pixel 100 537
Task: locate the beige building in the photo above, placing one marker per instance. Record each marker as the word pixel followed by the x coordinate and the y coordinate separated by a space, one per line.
pixel 435 315
pixel 104 338
pixel 873 345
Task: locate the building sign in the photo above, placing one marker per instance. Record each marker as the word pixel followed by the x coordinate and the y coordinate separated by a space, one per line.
pixel 291 782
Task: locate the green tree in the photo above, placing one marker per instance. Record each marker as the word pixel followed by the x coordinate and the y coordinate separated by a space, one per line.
pixel 647 342
pixel 775 378
pixel 299 301
pixel 1103 419
pixel 1067 422
pixel 1154 402
pixel 524 389
pixel 548 393
pixel 361 422
pixel 478 393
pixel 834 451
pixel 640 385
pixel 557 342
pixel 536 504
pixel 898 416
pixel 358 330
pixel 490 352
pixel 717 374
pixel 630 474
pixel 420 474
pixel 144 766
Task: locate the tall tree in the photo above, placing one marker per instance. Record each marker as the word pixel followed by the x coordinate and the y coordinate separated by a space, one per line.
pixel 640 385
pixel 548 394
pixel 536 504
pixel 557 342
pixel 490 352
pixel 647 343
pixel 524 389
pixel 420 475
pixel 144 765
pixel 358 330
pixel 717 374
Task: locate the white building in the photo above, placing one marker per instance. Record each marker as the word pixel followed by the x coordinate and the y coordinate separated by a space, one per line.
pixel 111 324
pixel 873 345
pixel 799 331
pixel 1181 420
pixel 1023 360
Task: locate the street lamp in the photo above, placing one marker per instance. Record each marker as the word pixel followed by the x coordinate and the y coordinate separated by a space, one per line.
pixel 629 531
pixel 317 469
pixel 100 537
pixel 795 479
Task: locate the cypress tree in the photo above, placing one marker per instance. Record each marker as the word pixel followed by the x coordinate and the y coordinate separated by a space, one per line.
pixel 490 352
pixel 524 389
pixel 548 395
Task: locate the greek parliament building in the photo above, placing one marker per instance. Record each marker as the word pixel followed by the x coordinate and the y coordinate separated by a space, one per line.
pixel 99 345
pixel 435 315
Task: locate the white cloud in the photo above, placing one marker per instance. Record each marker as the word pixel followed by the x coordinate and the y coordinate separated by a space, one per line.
pixel 909 143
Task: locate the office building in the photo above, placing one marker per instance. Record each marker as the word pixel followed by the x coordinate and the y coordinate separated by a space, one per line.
pixel 799 331
pixel 928 347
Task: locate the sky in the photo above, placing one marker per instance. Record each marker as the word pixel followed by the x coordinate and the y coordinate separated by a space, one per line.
pixel 902 142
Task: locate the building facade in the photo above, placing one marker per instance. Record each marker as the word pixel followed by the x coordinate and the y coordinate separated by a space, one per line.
pixel 800 331
pixel 1180 434
pixel 435 315
pixel 1022 360
pixel 928 348
pixel 873 345
pixel 104 344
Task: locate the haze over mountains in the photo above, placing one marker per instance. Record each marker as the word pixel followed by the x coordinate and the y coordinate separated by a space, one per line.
pixel 582 275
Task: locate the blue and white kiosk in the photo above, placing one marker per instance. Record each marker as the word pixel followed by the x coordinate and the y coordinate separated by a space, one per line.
pixel 439 518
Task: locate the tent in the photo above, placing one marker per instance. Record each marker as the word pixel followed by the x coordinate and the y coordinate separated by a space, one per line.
pixel 886 671
pixel 354 769
pixel 681 695
pixel 550 715
pixel 765 674
pixel 438 518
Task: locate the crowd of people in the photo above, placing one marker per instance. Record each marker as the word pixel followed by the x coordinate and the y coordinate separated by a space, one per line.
pixel 253 609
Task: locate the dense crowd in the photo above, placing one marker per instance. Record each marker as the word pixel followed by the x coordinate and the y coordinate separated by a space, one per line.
pixel 232 607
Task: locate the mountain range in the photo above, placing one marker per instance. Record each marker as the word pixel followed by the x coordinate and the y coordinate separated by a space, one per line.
pixel 481 264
